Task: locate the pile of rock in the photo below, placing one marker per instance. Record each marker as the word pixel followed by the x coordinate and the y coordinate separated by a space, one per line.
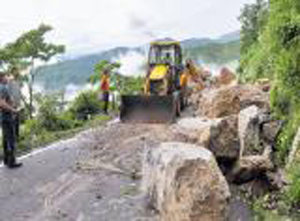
pixel 184 182
pixel 230 100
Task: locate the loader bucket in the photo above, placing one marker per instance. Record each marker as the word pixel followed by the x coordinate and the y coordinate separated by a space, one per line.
pixel 148 109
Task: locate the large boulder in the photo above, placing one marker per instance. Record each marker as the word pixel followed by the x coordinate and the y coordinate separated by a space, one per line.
pixel 250 95
pixel 230 100
pixel 218 103
pixel 251 167
pixel 222 138
pixel 184 182
pixel 249 131
pixel 256 130
pixel 191 128
pixel 219 135
pixel 226 77
pixel 270 131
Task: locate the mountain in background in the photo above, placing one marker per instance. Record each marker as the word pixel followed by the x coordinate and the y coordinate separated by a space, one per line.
pixel 77 71
pixel 233 36
pixel 194 42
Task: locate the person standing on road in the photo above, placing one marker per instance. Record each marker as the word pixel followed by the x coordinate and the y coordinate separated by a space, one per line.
pixel 8 126
pixel 104 86
pixel 183 89
pixel 14 89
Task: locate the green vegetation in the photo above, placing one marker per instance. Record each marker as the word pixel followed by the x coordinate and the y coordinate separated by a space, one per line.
pixel 270 47
pixel 25 52
pixel 86 104
pixel 47 117
pixel 131 85
pixel 254 62
pixel 54 121
pixel 216 53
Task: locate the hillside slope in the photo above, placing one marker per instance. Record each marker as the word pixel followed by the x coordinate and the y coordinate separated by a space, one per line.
pixel 78 70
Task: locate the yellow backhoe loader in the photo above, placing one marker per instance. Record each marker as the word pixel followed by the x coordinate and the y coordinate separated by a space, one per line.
pixel 162 99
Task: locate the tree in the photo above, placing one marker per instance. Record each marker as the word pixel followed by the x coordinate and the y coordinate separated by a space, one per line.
pixel 32 47
pixel 114 76
pixel 84 105
pixel 254 62
pixel 253 18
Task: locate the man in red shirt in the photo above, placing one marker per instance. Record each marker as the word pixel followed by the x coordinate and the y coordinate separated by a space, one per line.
pixel 104 85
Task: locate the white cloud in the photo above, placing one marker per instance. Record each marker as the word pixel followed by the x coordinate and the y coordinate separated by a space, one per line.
pixel 132 64
pixel 91 25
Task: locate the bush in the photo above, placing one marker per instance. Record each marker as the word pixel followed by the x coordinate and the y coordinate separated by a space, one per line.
pixel 50 115
pixel 292 193
pixel 275 54
pixel 85 105
pixel 33 135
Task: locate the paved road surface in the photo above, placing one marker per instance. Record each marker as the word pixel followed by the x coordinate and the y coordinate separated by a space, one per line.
pixel 52 186
pixel 86 178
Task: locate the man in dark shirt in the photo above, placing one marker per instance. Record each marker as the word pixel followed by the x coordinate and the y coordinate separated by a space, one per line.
pixel 14 89
pixel 8 125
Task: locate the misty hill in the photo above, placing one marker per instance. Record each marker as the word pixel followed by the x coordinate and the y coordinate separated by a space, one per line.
pixel 233 36
pixel 77 71
pixel 215 52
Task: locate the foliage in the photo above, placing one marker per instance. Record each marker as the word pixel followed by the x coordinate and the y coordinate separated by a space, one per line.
pixel 293 191
pixel 132 85
pixel 29 48
pixel 274 52
pixel 31 45
pixel 50 116
pixel 282 36
pixel 54 122
pixel 33 136
pixel 253 19
pixel 84 105
pixel 254 62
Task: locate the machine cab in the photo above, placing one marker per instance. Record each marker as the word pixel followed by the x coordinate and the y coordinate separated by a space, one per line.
pixel 165 52
pixel 164 66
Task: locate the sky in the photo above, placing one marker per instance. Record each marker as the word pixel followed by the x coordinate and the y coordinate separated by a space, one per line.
pixel 87 26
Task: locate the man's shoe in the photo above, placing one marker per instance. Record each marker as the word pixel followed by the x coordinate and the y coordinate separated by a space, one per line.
pixel 14 165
